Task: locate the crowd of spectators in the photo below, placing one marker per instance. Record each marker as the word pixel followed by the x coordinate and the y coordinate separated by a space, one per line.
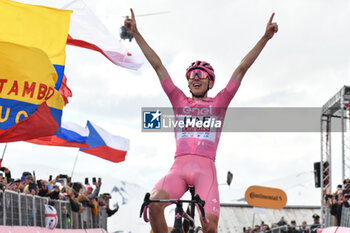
pixel 61 187
pixel 339 199
pixel 286 227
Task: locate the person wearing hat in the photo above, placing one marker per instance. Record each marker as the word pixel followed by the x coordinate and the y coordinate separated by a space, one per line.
pixel 88 189
pixel 316 224
pixel 90 192
pixel 194 163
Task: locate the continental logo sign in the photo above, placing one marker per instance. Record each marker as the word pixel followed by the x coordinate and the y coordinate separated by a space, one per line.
pixel 264 197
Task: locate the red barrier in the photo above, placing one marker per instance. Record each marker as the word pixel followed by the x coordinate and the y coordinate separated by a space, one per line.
pixel 21 229
pixel 334 229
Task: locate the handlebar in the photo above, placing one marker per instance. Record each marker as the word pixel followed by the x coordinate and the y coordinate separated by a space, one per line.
pixel 196 200
pixel 146 202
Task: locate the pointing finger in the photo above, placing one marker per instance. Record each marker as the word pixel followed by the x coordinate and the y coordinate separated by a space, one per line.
pixel 132 14
pixel 271 18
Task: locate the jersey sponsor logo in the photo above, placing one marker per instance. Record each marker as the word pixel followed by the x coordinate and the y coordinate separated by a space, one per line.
pixel 198 122
pixel 197 111
pixel 203 127
pixel 152 119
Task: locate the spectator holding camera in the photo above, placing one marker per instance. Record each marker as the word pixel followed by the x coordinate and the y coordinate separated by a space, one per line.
pixel 30 187
pixel 54 192
pixel 12 185
pixel 104 203
pixel 7 173
pixel 43 188
pixel 89 190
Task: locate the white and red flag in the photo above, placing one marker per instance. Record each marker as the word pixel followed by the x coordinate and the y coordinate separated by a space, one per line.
pixel 87 31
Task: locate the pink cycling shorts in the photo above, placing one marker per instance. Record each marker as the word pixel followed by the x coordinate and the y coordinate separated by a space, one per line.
pixel 197 171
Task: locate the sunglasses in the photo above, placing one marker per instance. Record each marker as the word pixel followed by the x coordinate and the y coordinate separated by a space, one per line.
pixel 200 73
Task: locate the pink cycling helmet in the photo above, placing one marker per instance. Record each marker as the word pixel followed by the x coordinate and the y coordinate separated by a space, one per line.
pixel 202 65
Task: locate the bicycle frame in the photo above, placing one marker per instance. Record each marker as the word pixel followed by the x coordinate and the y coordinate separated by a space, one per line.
pixel 179 212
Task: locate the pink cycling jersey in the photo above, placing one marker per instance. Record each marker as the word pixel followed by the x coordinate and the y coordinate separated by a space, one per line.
pixel 196 146
pixel 201 141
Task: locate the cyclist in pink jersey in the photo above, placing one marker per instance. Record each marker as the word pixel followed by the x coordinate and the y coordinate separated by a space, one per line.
pixel 195 150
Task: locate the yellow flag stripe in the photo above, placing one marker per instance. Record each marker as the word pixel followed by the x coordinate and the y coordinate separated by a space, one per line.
pixel 35 26
pixel 27 75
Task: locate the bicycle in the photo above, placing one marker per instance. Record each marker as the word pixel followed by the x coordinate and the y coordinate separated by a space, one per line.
pixel 179 212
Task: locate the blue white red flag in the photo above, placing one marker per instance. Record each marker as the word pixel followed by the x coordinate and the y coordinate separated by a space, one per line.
pixel 71 135
pixel 105 145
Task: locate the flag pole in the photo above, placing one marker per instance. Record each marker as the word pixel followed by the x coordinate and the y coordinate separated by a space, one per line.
pixel 76 158
pixel 3 153
pixel 75 162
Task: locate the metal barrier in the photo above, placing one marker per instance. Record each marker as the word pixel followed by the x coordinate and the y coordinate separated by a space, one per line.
pixel 39 205
pixel 281 229
pixel 11 209
pixel 2 204
pixel 285 229
pixel 345 217
pixel 331 219
pixel 19 209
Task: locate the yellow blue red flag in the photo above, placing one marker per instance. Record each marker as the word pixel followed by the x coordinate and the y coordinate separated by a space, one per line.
pixel 37 26
pixel 27 80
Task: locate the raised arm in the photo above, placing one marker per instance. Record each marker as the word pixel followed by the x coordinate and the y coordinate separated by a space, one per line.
pixel 249 59
pixel 151 56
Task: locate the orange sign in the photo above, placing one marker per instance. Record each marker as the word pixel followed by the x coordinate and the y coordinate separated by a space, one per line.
pixel 259 196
